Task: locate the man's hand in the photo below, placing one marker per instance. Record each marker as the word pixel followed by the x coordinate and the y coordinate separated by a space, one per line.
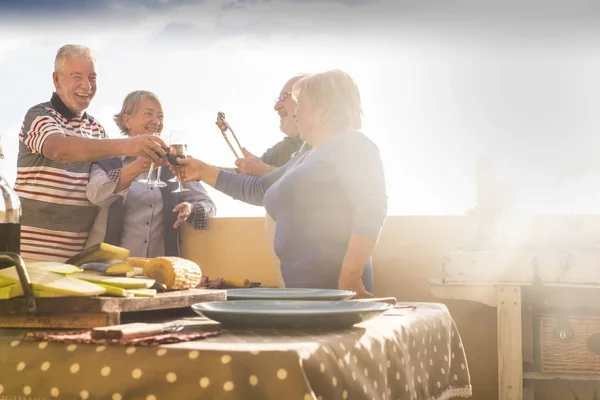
pixel 252 165
pixel 185 210
pixel 149 146
pixel 354 284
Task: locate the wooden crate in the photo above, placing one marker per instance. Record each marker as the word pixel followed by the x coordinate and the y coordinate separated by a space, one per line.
pixel 90 312
pixel 562 343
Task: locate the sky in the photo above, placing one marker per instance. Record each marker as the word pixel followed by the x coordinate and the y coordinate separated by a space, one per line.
pixel 442 82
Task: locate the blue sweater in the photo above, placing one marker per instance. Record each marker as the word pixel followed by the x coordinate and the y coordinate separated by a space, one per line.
pixel 318 202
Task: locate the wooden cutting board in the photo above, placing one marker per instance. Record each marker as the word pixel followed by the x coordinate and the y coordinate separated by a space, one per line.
pixel 87 312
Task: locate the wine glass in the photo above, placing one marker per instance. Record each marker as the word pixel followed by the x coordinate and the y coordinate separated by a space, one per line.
pixel 148 180
pixel 157 182
pixel 177 149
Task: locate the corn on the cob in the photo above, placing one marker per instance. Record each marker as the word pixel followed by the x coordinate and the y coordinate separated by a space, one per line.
pixel 140 262
pixel 174 272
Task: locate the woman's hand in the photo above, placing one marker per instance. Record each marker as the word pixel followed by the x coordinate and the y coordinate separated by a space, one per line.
pixel 189 169
pixel 354 284
pixel 140 165
pixel 185 210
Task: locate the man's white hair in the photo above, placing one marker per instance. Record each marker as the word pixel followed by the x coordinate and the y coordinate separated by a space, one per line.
pixel 68 51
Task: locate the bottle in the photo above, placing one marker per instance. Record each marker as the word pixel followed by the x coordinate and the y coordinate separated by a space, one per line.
pixel 10 217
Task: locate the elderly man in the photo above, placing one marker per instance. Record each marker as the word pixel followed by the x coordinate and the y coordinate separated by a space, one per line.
pixel 281 152
pixel 57 143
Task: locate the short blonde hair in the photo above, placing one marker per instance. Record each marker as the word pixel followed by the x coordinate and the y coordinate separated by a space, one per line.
pixel 71 50
pixel 130 107
pixel 336 95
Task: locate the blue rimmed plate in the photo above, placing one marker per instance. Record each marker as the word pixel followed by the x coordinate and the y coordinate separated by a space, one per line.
pixel 288 294
pixel 290 314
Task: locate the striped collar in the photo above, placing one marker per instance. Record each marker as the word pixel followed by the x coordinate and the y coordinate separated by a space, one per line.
pixel 60 106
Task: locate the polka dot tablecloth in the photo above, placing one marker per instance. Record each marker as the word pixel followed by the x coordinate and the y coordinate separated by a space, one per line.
pixel 415 354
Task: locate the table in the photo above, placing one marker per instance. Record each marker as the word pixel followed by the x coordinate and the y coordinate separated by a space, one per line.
pixel 414 353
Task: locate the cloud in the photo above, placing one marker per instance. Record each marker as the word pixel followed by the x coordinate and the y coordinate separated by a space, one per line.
pixel 104 8
pixel 377 23
pixel 275 19
pixel 350 3
pixel 41 6
pixel 241 4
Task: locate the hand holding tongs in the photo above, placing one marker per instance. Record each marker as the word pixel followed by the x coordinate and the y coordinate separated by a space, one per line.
pixel 224 127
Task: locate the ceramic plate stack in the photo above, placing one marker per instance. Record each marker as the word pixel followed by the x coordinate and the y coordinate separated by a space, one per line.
pixel 290 309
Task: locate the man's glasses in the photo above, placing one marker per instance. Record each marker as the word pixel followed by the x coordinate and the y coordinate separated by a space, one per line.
pixel 283 96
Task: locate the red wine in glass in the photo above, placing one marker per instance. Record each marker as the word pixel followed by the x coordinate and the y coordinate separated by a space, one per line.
pixel 176 151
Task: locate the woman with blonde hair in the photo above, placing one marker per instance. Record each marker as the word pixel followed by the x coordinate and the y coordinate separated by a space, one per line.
pixel 329 202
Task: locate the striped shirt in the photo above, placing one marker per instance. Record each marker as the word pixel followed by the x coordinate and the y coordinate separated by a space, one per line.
pixel 57 215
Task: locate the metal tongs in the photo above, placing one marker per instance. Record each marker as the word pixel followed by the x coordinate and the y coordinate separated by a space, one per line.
pixel 224 127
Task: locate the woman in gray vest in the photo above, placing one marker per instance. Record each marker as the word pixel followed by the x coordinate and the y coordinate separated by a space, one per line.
pixel 134 215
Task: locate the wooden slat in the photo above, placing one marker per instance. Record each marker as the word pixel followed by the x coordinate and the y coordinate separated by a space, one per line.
pixel 503 266
pixel 547 266
pixel 61 321
pixel 510 356
pixel 568 377
pixel 573 285
pixel 177 299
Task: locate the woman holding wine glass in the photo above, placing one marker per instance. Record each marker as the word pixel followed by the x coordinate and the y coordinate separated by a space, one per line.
pixel 329 202
pixel 135 212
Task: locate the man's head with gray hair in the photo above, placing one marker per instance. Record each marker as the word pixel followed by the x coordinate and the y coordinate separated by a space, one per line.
pixel 71 50
pixel 285 105
pixel 74 77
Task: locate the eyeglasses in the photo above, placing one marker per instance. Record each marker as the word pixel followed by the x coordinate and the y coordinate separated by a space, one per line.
pixel 283 96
